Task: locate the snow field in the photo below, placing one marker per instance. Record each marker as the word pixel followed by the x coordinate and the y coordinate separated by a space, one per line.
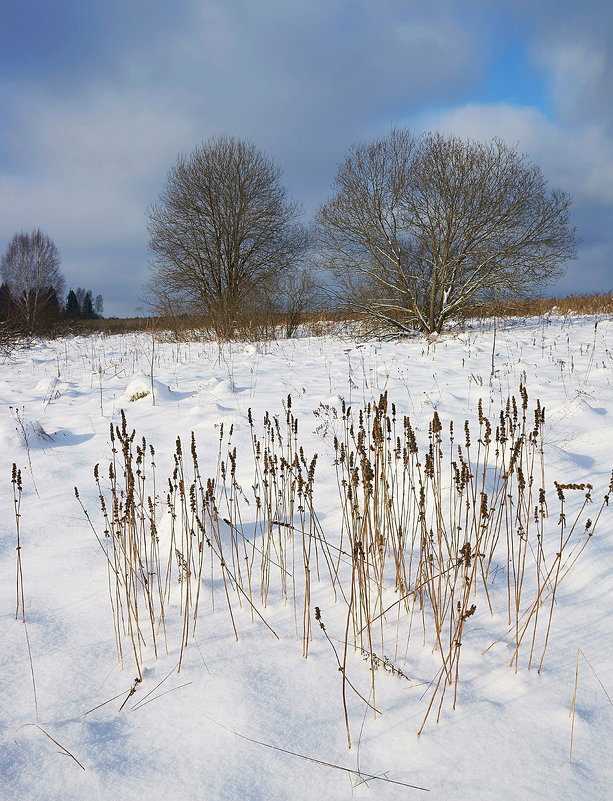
pixel 509 735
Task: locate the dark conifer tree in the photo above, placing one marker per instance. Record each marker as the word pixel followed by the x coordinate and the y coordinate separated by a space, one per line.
pixel 6 303
pixel 49 309
pixel 87 307
pixel 72 309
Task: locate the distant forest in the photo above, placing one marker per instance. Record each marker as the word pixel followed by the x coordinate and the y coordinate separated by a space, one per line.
pixel 38 310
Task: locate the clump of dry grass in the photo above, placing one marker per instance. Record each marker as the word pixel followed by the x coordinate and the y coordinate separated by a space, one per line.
pixel 130 543
pixel 206 542
pixel 435 525
pixel 424 532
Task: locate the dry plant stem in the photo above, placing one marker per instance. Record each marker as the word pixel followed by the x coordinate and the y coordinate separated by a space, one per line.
pixel 104 703
pixel 131 692
pixel 342 671
pixel 21 427
pixel 572 707
pixel 554 577
pixel 25 628
pixel 241 590
pixel 17 491
pixel 441 675
pixel 343 665
pixel 574 700
pixel 351 771
pixel 167 676
pixel 59 745
pixel 156 697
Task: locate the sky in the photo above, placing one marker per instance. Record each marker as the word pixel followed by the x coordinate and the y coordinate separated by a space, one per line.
pixel 99 97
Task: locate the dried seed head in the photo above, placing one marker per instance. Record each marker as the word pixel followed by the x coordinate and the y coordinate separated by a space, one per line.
pixel 488 431
pixel 484 505
pixel 521 481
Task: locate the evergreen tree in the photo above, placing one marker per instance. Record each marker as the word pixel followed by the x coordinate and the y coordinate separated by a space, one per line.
pixel 6 303
pixel 87 308
pixel 80 305
pixel 50 309
pixel 72 309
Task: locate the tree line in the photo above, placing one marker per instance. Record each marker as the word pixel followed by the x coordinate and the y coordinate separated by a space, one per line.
pixel 32 289
pixel 418 230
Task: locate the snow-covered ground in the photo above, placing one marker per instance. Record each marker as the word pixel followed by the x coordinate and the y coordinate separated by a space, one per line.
pixel 224 726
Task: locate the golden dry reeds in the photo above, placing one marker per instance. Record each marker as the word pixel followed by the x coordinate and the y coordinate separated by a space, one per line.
pixel 424 530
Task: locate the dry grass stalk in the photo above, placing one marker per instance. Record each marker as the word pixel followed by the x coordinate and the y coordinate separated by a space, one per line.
pixel 573 704
pixel 17 493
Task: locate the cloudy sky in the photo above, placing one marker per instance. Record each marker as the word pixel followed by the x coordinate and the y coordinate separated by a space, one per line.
pixel 98 97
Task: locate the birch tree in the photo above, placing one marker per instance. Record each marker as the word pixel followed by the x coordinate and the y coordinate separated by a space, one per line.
pixel 418 229
pixel 30 269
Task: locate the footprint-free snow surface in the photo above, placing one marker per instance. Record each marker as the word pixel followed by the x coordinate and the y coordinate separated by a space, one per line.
pixel 248 716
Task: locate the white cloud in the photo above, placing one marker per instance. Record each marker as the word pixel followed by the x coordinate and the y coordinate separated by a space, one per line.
pixel 577 158
pixel 84 172
pixel 578 161
pixel 89 168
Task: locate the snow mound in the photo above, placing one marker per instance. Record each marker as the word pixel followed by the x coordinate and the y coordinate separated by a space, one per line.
pixel 51 388
pixel 139 387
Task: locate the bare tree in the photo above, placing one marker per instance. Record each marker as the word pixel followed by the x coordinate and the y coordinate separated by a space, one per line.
pixel 223 233
pixel 299 294
pixel 30 269
pixel 420 228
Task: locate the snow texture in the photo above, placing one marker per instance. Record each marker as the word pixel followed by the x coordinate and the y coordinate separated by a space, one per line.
pixel 205 732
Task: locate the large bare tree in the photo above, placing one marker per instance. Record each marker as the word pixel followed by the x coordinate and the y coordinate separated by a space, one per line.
pixel 420 228
pixel 30 270
pixel 223 234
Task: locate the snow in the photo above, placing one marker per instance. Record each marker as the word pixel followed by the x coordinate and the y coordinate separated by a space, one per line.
pixel 214 730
